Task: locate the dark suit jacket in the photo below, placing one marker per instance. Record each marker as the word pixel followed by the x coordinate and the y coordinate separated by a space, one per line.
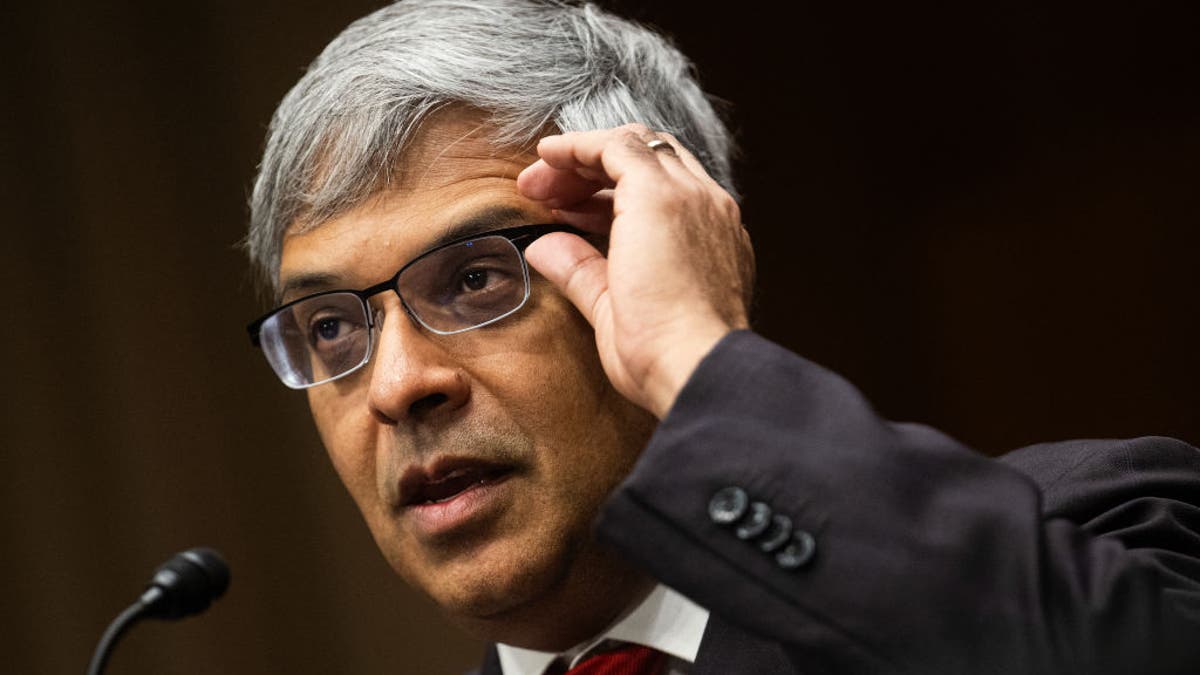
pixel 1076 557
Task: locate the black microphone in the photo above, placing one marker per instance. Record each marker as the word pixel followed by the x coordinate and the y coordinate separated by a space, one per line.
pixel 184 585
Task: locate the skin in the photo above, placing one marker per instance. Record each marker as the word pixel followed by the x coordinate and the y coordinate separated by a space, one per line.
pixel 565 392
pixel 679 269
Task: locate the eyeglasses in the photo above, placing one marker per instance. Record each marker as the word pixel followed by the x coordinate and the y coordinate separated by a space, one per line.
pixel 459 286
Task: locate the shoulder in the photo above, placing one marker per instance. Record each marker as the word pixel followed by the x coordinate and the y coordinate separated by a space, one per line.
pixel 1111 460
pixel 1093 482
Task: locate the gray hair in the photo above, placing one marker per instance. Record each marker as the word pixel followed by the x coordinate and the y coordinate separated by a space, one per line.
pixel 530 66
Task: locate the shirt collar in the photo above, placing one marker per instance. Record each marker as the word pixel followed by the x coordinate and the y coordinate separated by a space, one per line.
pixel 664 620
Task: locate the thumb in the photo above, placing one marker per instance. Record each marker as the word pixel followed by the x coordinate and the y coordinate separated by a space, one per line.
pixel 574 266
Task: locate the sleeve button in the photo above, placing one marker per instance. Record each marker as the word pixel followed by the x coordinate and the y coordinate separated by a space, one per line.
pixel 756 522
pixel 728 505
pixel 777 534
pixel 798 552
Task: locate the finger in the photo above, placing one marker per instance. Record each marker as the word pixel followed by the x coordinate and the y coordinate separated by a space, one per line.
pixel 681 157
pixel 594 214
pixel 575 267
pixel 614 151
pixel 558 187
pixel 622 150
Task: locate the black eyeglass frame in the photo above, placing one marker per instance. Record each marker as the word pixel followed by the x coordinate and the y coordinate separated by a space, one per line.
pixel 520 236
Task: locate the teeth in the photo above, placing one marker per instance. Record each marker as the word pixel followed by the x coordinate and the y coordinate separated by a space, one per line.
pixel 450 476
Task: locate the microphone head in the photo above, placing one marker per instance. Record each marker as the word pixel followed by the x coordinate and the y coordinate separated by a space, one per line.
pixel 186 584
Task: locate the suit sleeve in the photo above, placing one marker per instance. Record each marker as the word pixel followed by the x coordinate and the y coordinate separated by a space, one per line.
pixel 929 557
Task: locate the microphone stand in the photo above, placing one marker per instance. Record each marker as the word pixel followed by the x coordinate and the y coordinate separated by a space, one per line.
pixel 182 586
pixel 113 633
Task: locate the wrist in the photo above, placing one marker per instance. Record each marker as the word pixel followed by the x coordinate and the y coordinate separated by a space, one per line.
pixel 675 365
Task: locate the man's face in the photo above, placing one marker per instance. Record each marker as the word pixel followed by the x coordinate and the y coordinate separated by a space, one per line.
pixel 480 459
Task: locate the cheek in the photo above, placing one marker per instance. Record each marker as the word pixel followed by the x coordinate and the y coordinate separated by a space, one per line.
pixel 346 435
pixel 587 434
pixel 554 377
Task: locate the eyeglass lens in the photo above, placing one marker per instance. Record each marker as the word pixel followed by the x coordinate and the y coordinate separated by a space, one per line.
pixel 448 290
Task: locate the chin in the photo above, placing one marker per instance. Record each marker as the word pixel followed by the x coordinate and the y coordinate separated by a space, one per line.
pixel 495 583
pixel 489 598
pixel 534 601
pixel 489 592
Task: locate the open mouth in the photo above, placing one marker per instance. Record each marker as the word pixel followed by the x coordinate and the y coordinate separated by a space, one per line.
pixel 422 488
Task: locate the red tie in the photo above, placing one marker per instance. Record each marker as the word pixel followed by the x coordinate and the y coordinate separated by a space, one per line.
pixel 628 660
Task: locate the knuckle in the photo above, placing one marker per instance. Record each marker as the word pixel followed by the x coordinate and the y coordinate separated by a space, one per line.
pixel 580 271
pixel 746 240
pixel 636 129
pixel 731 208
pixel 725 200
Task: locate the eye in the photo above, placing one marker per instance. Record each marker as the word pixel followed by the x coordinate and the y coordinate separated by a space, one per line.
pixel 331 327
pixel 475 280
pixel 327 329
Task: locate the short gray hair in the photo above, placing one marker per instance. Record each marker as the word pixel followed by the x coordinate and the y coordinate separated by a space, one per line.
pixel 532 67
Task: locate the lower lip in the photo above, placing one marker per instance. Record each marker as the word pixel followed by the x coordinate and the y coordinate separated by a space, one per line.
pixel 439 518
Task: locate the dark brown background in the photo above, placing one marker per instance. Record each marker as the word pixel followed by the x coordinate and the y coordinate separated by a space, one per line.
pixel 984 216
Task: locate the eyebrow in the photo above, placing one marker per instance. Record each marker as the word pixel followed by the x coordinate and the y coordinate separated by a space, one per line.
pixel 492 218
pixel 489 218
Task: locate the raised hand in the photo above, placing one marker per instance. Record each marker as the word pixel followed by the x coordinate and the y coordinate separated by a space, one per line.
pixel 679 267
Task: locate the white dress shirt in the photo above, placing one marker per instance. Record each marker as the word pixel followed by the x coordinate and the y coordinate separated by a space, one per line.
pixel 665 620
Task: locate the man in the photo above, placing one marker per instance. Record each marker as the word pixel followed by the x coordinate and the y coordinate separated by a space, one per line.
pixel 511 279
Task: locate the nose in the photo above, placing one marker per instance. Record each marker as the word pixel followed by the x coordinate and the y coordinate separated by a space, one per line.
pixel 414 378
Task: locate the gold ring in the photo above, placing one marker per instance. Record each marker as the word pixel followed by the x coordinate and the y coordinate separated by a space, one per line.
pixel 659 144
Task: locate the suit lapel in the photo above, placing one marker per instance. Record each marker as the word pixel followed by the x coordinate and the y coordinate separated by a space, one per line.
pixel 491 663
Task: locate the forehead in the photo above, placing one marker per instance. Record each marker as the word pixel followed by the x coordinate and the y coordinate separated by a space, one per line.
pixel 452 178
